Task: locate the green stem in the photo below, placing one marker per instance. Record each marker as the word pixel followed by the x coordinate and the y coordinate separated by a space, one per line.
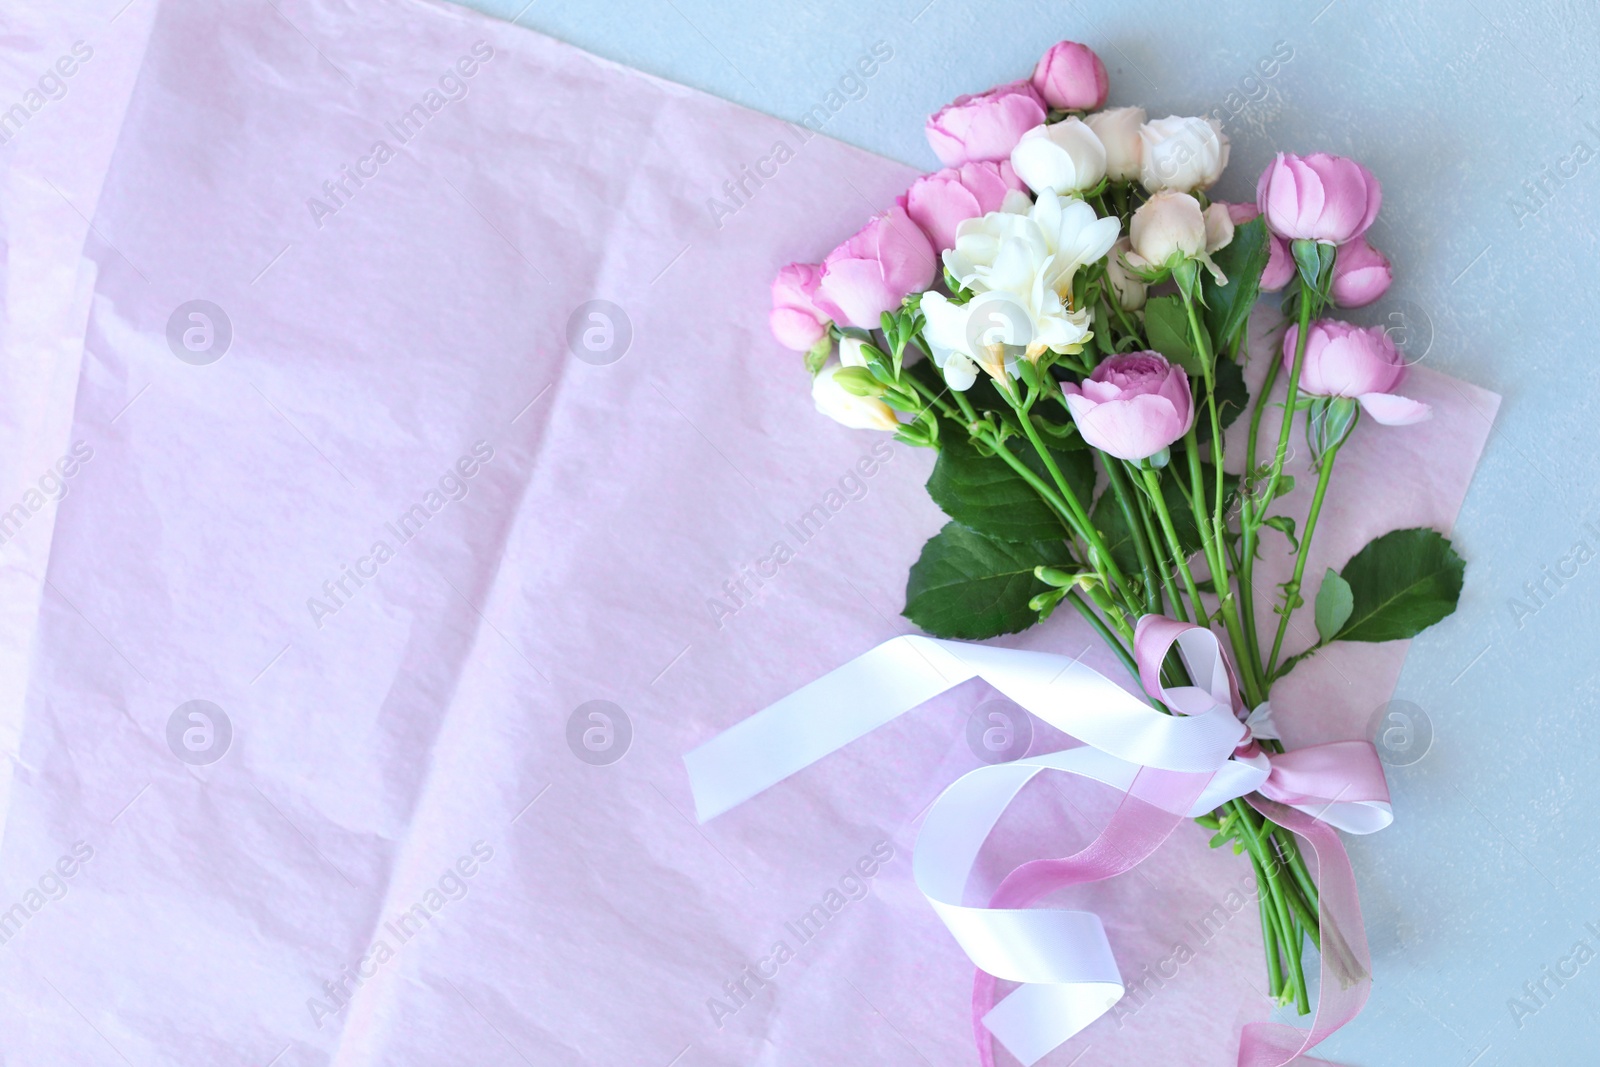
pixel 1152 481
pixel 1292 591
pixel 1216 542
pixel 1267 382
pixel 1158 553
pixel 1249 526
pixel 1104 563
pixel 1296 863
pixel 1136 531
pixel 1122 316
pixel 1281 456
pixel 1252 524
pixel 1202 342
pixel 1269 867
pixel 1104 631
pixel 1269 936
pixel 1215 563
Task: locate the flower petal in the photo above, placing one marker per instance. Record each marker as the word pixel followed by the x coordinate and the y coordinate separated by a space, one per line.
pixel 1130 429
pixel 1390 409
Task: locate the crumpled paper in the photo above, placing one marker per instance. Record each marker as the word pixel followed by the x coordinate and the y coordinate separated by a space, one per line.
pixel 434 485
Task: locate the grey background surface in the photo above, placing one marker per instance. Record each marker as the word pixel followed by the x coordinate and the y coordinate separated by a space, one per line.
pixel 1480 118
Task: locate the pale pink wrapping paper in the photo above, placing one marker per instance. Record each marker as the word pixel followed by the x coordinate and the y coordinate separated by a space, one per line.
pixel 430 713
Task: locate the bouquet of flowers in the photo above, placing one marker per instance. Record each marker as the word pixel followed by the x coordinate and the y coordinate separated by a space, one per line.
pixel 1061 312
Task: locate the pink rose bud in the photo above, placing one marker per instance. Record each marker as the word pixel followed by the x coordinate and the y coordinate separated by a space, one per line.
pixel 941 201
pixel 875 270
pixel 1361 274
pixel 1133 406
pixel 1240 213
pixel 1318 197
pixel 796 320
pixel 1071 77
pixel 1280 264
pixel 1356 362
pixel 986 126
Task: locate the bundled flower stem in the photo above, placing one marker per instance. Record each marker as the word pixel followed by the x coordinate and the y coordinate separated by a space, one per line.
pixel 1082 306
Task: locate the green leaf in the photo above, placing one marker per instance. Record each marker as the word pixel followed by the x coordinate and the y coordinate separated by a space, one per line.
pixel 1314 260
pixel 1284 525
pixel 1076 466
pixel 1166 323
pixel 986 494
pixel 1242 260
pixel 1401 584
pixel 1307 259
pixel 1334 605
pixel 968 586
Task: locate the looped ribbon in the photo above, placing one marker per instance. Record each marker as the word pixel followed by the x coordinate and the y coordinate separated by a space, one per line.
pixel 1167 767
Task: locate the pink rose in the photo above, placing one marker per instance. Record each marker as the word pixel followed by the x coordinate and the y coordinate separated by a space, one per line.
pixel 941 201
pixel 875 270
pixel 1132 406
pixel 1361 274
pixel 1071 77
pixel 1318 197
pixel 796 320
pixel 1346 360
pixel 986 126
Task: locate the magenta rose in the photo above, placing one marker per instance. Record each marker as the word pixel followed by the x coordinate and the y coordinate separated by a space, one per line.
pixel 1133 406
pixel 1071 77
pixel 941 201
pixel 1280 268
pixel 1318 197
pixel 875 270
pixel 797 321
pixel 1360 363
pixel 985 126
pixel 1361 274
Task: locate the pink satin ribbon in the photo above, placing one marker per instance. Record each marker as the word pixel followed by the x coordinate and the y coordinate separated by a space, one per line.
pixel 1331 773
pixel 1314 777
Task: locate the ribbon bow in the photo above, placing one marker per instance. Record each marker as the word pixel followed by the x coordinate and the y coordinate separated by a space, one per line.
pixel 1340 783
pixel 1168 768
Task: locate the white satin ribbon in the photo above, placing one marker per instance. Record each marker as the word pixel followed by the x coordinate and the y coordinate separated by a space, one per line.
pixel 884 683
pixel 1062 957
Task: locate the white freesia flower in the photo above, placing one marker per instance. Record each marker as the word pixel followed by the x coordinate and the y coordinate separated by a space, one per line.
pixel 850 354
pixel 1118 130
pixel 1063 157
pixel 1073 235
pixel 856 412
pixel 1021 268
pixel 977 260
pixel 1184 154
